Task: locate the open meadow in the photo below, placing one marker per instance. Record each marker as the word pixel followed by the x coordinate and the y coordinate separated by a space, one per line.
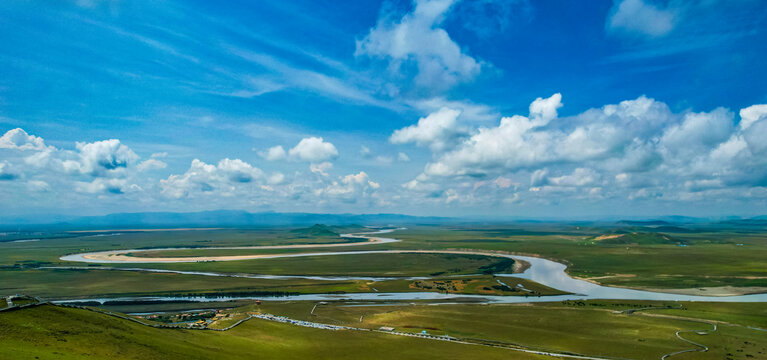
pixel 734 262
pixel 60 333
pixel 601 329
pixel 466 327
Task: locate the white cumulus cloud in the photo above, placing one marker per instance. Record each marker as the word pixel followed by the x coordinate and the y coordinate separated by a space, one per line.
pixel 437 130
pixel 350 187
pixel 274 153
pixel 220 179
pixel 418 38
pixel 20 140
pixel 636 149
pixel 752 114
pixel 101 157
pixel 313 149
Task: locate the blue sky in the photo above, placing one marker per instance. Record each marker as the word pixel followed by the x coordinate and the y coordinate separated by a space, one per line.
pixel 441 107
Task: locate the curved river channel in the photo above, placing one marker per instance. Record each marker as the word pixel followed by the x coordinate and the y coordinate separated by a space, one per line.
pixel 543 271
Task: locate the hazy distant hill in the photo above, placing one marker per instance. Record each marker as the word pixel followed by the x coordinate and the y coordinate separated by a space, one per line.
pixel 316 230
pixel 240 218
pixel 643 222
pixel 636 238
pixel 225 218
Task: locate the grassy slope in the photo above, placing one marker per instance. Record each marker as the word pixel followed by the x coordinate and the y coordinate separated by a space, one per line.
pixel 592 328
pixel 575 330
pixel 748 314
pixel 56 333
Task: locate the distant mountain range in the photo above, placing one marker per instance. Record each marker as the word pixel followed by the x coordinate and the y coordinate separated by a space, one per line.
pixel 239 218
pixel 218 218
pixel 644 222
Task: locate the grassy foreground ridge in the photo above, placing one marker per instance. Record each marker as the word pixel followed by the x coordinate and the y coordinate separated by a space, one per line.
pixel 594 328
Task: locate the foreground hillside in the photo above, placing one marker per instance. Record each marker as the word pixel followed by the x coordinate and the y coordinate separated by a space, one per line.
pixel 49 332
pixel 600 329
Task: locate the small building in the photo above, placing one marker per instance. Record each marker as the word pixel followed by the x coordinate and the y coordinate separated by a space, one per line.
pixel 386 328
pixel 199 324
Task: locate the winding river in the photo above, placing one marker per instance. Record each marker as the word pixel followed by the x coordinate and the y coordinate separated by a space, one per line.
pixel 543 271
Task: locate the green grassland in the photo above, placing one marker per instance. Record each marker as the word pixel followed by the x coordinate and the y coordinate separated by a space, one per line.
pixel 708 259
pixel 356 265
pixel 186 253
pixel 722 258
pixel 49 332
pixel 747 314
pixel 633 259
pixel 639 258
pixel 228 321
pixel 742 314
pixel 95 283
pixel 57 284
pixel 590 327
pixel 49 249
pixel 484 285
pixel 630 256
pixel 596 328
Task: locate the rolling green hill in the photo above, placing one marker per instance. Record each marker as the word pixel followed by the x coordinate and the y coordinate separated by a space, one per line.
pixel 639 238
pixel 315 230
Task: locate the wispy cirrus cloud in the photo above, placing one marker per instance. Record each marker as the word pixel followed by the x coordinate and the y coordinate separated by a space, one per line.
pixel 653 29
pixel 640 17
pixel 308 80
